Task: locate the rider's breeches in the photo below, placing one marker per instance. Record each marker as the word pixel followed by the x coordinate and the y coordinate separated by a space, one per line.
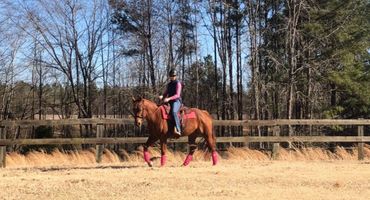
pixel 175 107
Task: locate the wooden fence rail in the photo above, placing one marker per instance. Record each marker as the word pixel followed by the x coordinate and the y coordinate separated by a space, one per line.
pixel 137 140
pixel 278 122
pixel 100 140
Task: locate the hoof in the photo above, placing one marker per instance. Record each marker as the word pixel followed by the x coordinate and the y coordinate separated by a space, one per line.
pixel 150 164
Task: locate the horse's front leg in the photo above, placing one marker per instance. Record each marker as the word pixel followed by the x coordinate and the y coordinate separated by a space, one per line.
pixel 163 150
pixel 148 144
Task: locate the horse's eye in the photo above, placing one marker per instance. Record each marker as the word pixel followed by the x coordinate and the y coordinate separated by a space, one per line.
pixel 136 109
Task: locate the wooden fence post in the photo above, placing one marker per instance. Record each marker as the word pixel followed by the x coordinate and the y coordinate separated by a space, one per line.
pixel 276 146
pixel 360 131
pixel 99 147
pixel 245 134
pixel 2 148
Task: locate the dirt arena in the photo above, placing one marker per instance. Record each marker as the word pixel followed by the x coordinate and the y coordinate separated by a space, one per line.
pixel 241 174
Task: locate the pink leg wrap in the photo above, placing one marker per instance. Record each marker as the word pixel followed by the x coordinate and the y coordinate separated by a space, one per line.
pixel 146 156
pixel 214 158
pixel 188 159
pixel 163 160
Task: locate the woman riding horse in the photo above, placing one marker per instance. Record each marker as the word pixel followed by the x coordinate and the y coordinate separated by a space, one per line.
pixel 158 129
pixel 172 95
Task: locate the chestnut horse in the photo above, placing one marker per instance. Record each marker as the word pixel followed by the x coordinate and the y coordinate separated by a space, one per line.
pixel 158 129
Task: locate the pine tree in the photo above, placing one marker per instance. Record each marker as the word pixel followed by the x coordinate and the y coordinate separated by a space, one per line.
pixel 342 32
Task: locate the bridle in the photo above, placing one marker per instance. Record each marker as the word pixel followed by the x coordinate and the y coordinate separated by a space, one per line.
pixel 141 116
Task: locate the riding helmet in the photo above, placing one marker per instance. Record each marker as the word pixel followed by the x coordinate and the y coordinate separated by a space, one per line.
pixel 172 72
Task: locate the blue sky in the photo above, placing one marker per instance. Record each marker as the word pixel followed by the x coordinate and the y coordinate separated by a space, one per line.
pixel 204 38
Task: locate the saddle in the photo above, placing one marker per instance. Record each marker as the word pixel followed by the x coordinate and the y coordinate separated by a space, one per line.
pixel 183 114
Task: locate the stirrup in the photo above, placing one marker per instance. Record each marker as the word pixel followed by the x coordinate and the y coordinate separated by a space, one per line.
pixel 176 133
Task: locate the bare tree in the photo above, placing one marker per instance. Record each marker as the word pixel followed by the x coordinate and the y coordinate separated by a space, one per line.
pixel 8 72
pixel 70 32
pixel 253 10
pixel 135 18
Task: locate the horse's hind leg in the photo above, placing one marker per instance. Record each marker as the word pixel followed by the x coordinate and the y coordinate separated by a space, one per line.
pixel 192 148
pixel 211 140
pixel 148 144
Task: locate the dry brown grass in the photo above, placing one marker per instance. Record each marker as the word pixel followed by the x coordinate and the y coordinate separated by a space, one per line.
pixel 58 158
pixel 87 157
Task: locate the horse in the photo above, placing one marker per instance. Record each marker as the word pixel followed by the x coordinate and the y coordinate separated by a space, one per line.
pixel 158 129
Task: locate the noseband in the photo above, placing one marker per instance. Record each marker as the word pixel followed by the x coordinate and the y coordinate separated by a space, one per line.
pixel 137 116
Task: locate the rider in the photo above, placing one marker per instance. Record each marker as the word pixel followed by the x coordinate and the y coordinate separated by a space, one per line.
pixel 172 94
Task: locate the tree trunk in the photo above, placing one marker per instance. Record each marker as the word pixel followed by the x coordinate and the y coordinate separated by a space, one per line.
pixel 215 61
pixel 238 68
pixel 230 62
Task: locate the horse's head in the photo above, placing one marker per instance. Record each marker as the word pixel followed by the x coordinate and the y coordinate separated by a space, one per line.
pixel 138 110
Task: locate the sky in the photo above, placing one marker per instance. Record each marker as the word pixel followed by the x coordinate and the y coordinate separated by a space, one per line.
pixel 24 52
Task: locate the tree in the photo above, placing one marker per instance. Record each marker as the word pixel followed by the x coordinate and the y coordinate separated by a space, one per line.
pixel 70 33
pixel 135 19
pixel 203 71
pixel 343 48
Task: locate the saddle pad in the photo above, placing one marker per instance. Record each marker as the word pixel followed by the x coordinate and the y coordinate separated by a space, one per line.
pixel 190 115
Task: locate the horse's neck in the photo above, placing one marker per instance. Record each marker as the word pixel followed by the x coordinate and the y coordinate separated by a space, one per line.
pixel 152 110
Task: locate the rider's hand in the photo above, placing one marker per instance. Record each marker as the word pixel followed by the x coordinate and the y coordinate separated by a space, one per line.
pixel 160 97
pixel 166 100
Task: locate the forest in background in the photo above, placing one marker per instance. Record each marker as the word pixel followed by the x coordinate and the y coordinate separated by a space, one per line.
pixel 238 59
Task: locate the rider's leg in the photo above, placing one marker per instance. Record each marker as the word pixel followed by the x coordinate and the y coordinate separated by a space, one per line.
pixel 175 107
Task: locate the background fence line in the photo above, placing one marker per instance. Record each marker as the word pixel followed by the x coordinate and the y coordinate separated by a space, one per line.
pixel 100 140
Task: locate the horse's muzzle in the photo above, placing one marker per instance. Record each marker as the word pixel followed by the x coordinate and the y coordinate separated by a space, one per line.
pixel 138 124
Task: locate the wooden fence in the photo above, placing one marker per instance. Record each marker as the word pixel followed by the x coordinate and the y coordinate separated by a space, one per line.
pixel 100 140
